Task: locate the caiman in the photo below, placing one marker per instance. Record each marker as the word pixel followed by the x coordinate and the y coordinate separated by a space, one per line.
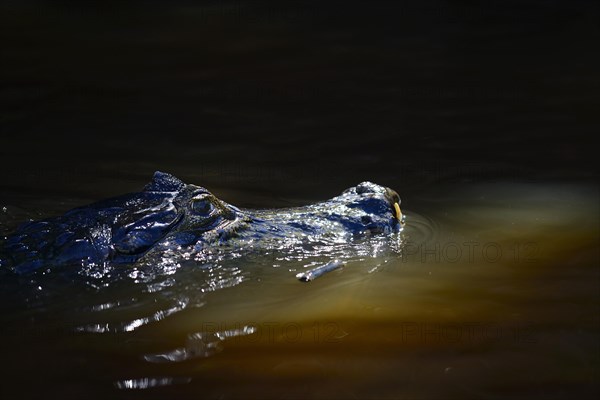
pixel 170 216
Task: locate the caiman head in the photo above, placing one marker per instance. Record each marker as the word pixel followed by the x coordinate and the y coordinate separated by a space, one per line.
pixel 364 209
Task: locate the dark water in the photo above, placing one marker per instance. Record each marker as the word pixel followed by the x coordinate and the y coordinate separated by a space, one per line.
pixel 479 116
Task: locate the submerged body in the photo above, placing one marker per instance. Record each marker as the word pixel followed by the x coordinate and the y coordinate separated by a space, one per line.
pixel 174 217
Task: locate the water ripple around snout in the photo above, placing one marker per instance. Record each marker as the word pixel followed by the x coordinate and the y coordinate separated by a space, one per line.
pixel 421 228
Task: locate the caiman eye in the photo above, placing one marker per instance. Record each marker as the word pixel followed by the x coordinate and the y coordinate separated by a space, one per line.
pixel 202 207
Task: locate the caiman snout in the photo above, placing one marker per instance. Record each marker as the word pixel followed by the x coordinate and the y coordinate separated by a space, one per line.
pixel 394 199
pixel 390 195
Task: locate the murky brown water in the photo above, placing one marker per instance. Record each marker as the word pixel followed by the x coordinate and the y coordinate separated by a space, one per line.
pixel 494 296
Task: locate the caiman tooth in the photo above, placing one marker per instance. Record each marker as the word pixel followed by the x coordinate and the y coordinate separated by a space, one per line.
pixel 397 211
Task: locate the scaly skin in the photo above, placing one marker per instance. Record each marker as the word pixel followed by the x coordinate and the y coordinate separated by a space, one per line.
pixel 171 217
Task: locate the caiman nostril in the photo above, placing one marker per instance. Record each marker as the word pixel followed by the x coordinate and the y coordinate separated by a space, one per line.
pixel 392 196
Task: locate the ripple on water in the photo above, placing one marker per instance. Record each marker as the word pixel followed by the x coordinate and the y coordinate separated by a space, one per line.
pixel 150 382
pixel 421 228
pixel 200 345
pixel 131 325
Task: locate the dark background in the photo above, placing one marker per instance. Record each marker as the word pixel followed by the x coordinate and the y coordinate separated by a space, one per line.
pixel 295 98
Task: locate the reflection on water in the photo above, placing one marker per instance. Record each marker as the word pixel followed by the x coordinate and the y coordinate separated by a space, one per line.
pixel 146 383
pixel 130 326
pixel 492 286
pixel 200 344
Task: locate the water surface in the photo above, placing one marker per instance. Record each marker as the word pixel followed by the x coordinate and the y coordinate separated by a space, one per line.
pixel 492 293
pixel 479 115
